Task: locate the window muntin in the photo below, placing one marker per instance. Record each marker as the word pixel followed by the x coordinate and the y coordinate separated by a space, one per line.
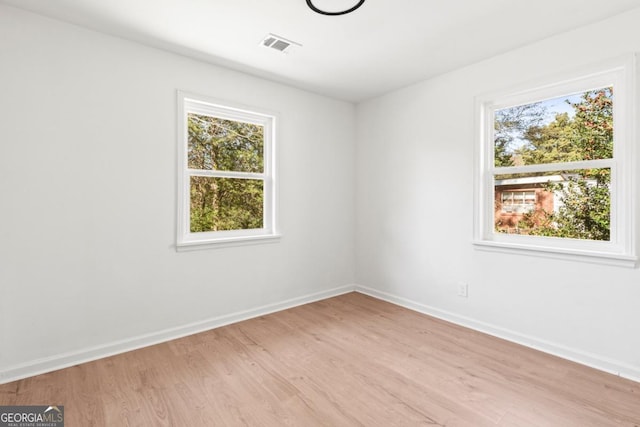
pixel 226 178
pixel 608 168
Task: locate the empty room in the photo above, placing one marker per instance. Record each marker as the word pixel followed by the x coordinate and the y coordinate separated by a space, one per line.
pixel 319 213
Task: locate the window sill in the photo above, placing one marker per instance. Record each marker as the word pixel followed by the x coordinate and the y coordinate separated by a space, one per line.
pixel 224 242
pixel 589 256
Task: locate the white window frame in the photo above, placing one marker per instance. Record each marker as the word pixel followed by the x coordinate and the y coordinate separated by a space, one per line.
pixel 621 249
pixel 187 240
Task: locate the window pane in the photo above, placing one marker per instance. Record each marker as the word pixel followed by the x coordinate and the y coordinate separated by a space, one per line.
pixel 226 145
pixel 219 204
pixel 564 129
pixel 572 204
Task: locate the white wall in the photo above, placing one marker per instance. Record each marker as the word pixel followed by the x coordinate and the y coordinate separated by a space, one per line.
pixel 414 214
pixel 88 195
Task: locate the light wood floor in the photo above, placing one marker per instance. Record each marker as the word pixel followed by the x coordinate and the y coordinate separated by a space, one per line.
pixel 346 361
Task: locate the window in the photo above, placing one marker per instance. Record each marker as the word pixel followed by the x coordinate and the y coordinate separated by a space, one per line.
pixel 555 167
pixel 226 174
pixel 518 202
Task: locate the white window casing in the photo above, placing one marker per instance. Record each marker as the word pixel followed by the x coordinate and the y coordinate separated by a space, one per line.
pixel 187 240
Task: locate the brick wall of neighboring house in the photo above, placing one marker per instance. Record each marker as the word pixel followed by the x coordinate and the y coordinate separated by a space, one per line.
pixel 508 221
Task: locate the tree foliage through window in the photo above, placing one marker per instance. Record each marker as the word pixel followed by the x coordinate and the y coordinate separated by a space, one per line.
pixel 225 203
pixel 584 133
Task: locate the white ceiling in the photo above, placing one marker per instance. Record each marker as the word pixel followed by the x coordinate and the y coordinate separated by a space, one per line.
pixel 384 45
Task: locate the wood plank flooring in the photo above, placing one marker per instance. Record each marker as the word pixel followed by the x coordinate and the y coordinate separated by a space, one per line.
pixel 347 361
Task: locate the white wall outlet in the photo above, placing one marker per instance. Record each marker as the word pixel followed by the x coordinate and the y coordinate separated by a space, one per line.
pixel 463 289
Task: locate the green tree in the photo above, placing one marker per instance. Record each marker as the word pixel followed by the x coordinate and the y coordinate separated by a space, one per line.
pixel 593 130
pixel 510 126
pixel 552 143
pixel 219 203
pixel 585 211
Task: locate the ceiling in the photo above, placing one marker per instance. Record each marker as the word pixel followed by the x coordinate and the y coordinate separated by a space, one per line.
pixel 384 45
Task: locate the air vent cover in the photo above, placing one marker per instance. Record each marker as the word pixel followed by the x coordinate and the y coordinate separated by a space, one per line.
pixel 278 43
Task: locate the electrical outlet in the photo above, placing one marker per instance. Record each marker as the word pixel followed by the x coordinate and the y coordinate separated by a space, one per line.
pixel 463 289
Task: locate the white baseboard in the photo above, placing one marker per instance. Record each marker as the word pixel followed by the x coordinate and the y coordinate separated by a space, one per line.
pixel 65 360
pixel 578 356
pixel 60 361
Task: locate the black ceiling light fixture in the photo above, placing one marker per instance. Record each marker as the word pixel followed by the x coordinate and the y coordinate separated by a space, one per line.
pixel 336 13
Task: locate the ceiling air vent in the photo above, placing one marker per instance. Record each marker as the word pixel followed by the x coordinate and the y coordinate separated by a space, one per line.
pixel 278 43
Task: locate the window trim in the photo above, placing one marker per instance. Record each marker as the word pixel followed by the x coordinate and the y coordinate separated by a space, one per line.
pixel 621 249
pixel 186 240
